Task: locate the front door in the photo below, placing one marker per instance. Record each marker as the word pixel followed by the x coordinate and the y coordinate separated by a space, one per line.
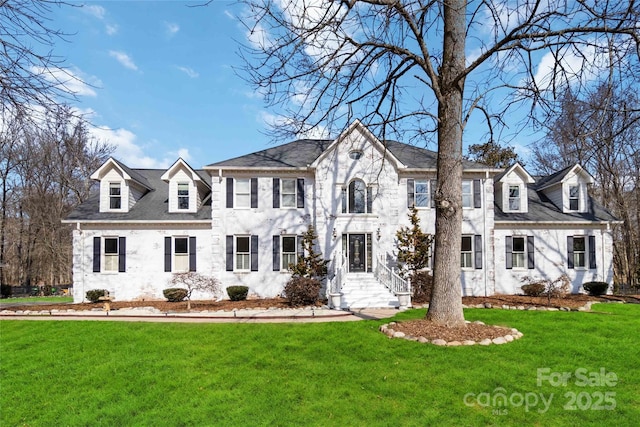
pixel 357 253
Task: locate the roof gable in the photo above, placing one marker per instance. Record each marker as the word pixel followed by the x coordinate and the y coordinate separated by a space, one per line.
pixel 518 170
pixel 127 173
pixel 565 174
pixel 180 164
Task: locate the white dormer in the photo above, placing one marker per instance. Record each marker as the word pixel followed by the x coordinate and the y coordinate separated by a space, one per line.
pixel 186 188
pixel 120 187
pixel 568 189
pixel 511 189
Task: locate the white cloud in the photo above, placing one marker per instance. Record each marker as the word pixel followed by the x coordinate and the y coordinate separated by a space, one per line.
pixel 126 148
pixel 171 28
pixel 70 80
pixel 94 10
pixel 189 72
pixel 111 29
pixel 123 59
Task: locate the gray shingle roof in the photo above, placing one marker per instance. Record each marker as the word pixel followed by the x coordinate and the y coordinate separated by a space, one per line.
pixel 152 206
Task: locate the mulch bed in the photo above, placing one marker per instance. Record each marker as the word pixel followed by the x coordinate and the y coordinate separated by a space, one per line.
pixel 432 331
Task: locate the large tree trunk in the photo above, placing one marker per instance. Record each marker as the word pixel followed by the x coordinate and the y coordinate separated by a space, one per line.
pixel 446 301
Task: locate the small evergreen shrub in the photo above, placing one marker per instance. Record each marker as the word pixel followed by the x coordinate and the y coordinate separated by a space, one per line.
pixel 596 288
pixel 175 294
pixel 238 293
pixel 422 287
pixel 533 289
pixel 94 294
pixel 302 291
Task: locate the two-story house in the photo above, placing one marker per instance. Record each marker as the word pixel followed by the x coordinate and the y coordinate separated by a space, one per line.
pixel 240 220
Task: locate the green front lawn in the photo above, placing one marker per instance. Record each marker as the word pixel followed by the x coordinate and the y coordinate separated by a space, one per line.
pixel 51 300
pixel 324 374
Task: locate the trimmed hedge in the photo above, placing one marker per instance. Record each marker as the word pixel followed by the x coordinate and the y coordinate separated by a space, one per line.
pixel 175 294
pixel 238 293
pixel 533 289
pixel 302 291
pixel 596 289
pixel 94 294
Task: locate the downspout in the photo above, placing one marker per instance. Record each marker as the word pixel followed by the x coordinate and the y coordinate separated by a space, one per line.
pixel 82 260
pixel 486 237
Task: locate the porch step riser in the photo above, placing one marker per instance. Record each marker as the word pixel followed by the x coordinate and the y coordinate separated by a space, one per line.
pixel 365 292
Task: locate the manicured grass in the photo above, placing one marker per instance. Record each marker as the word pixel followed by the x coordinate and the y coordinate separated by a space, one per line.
pixel 52 300
pixel 318 374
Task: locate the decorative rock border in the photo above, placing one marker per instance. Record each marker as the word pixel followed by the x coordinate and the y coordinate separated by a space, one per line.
pixel 388 330
pixel 586 307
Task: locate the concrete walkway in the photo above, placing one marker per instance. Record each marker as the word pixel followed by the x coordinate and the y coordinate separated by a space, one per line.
pixel 150 314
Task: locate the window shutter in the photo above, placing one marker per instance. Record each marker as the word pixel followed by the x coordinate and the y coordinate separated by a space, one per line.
pixel 96 254
pixel 570 251
pixel 301 192
pixel 192 253
pixel 167 254
pixel 592 252
pixel 229 250
pixel 411 192
pixel 229 192
pixel 276 193
pixel 300 241
pixel 369 200
pixel 344 200
pixel 254 192
pixel 509 252
pixel 254 253
pixel 432 192
pixel 531 252
pixel 276 253
pixel 477 199
pixel 477 246
pixel 122 254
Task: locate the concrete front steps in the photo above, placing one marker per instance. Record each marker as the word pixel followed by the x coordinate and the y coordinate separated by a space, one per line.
pixel 362 290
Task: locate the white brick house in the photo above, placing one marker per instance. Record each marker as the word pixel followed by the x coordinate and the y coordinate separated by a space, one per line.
pixel 240 221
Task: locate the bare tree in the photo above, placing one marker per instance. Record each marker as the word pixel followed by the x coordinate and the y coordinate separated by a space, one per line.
pixel 193 281
pixel 31 75
pixel 401 66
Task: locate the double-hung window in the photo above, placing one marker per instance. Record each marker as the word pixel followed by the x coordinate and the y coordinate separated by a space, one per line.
pixel 520 252
pixel 574 197
pixel 179 254
pixel 467 193
pixel 580 251
pixel 183 195
pixel 111 254
pixel 243 253
pixel 518 255
pixel 115 195
pixel 514 197
pixel 243 193
pixel 417 193
pixel 466 255
pixel 288 193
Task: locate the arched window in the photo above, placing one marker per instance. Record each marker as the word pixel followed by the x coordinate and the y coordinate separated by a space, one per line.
pixel 357 198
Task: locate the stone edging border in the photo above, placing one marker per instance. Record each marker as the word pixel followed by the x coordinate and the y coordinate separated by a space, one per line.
pixel 388 330
pixel 586 307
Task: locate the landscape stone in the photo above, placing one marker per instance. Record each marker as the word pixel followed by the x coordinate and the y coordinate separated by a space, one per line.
pixel 439 342
pixel 499 340
pixel 398 334
pixel 508 338
pixel 423 340
pixel 485 341
pixel 454 344
pixel 468 342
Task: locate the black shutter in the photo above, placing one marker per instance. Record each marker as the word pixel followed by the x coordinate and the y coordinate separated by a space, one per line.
pixel 570 251
pixel 192 253
pixel 592 252
pixel 300 241
pixel 254 192
pixel 433 184
pixel 276 253
pixel 276 193
pixel 254 253
pixel 411 192
pixel 167 254
pixel 477 199
pixel 229 250
pixel 96 254
pixel 477 246
pixel 122 254
pixel 343 195
pixel 509 252
pixel 530 252
pixel 229 192
pixel 300 192
pixel 369 200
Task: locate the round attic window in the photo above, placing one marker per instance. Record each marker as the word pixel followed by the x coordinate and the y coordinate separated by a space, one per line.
pixel 355 154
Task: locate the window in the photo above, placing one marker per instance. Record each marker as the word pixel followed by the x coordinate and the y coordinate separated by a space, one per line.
pixel 578 249
pixel 466 259
pixel 357 198
pixel 243 193
pixel 183 195
pixel 574 197
pixel 115 197
pixel 289 255
pixel 355 154
pixel 520 252
pixel 288 193
pixel 514 197
pixel 179 254
pixel 109 254
pixel 467 194
pixel 418 193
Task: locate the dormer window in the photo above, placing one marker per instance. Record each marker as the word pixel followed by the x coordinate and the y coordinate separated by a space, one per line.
pixel 183 195
pixel 574 197
pixel 115 195
pixel 514 197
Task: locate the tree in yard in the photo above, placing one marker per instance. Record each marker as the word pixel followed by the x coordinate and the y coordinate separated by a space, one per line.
pixel 310 263
pixel 492 154
pixel 414 246
pixel 193 281
pixel 414 67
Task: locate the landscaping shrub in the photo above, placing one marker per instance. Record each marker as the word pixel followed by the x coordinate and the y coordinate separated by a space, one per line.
pixel 175 294
pixel 533 289
pixel 596 288
pixel 94 294
pixel 238 293
pixel 422 286
pixel 5 291
pixel 302 291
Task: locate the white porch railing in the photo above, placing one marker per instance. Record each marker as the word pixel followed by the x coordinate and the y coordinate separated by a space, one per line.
pixel 389 278
pixel 339 271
